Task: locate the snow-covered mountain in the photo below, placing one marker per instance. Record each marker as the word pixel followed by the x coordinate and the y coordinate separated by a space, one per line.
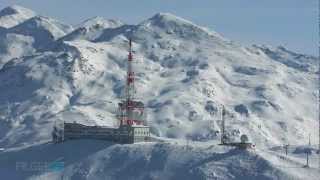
pixel 14 15
pixel 35 34
pixel 91 28
pixel 14 45
pixel 44 30
pixel 185 73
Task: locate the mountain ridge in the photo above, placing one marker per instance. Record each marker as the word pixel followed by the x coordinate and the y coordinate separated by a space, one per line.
pixel 184 74
pixel 13 15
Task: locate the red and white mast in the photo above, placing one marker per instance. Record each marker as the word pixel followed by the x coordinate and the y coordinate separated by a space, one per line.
pixel 131 110
pixel 130 89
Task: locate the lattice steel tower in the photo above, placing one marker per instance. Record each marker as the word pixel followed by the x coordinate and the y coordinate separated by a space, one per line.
pixel 131 111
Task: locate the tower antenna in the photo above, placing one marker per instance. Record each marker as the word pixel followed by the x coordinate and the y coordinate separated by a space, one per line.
pixel 131 111
pixel 223 136
pixel 308 151
pixel 130 89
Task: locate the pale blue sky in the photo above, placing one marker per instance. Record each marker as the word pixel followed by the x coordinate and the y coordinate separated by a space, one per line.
pixel 292 23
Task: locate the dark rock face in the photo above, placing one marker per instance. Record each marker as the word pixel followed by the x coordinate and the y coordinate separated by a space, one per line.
pixel 242 109
pixel 251 71
pixel 211 108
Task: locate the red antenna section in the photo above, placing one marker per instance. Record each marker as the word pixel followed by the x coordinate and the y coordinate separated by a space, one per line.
pixel 131 110
pixel 130 89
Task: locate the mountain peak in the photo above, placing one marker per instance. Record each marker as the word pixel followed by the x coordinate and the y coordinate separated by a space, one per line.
pixel 92 28
pixel 180 27
pixel 48 23
pixel 14 15
pixel 43 30
pixel 168 17
pixel 101 22
pixel 15 9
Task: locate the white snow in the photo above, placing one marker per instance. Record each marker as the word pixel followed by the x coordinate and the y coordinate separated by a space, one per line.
pixel 174 160
pixel 101 21
pixel 14 15
pixel 185 73
pixel 91 29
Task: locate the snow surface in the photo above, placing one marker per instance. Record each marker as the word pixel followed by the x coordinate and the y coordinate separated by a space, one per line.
pixel 174 160
pixel 14 15
pixel 91 29
pixel 51 72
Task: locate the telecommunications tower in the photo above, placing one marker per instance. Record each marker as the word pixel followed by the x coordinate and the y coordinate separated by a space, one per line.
pixel 131 111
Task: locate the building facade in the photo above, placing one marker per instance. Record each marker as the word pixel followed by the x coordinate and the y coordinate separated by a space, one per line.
pixel 125 134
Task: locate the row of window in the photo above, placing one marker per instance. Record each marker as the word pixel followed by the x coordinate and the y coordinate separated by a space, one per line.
pixel 141 131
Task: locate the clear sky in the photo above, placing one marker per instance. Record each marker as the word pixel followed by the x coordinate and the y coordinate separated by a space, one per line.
pixel 292 23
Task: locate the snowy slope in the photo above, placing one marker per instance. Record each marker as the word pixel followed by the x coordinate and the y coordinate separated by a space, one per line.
pixel 101 21
pixel 14 15
pixel 291 59
pixel 74 160
pixel 13 45
pixel 91 29
pixel 44 30
pixel 34 34
pixel 185 73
